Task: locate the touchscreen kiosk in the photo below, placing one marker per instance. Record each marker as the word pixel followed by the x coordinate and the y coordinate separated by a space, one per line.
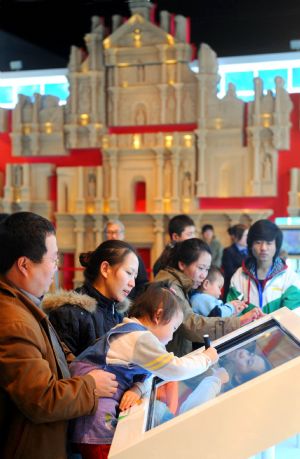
pixel 247 402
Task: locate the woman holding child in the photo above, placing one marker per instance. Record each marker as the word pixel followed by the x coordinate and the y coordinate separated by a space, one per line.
pixel 188 265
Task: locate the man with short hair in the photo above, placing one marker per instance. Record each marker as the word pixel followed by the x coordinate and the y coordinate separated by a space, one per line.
pixel 264 280
pixel 37 394
pixel 114 229
pixel 180 228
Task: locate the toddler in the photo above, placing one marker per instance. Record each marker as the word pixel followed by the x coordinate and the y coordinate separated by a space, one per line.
pixel 205 300
pixel 134 350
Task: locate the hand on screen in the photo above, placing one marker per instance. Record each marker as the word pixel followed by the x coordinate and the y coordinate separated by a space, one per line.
pixel 212 354
pixel 130 398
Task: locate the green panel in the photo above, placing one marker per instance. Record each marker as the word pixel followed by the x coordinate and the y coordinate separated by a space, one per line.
pixel 296 77
pixel 241 80
pixel 268 77
pixel 6 94
pixel 60 90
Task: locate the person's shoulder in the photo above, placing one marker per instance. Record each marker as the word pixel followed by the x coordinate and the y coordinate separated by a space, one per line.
pixel 70 300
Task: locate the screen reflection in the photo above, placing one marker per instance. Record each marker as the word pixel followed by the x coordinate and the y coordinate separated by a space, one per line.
pixel 237 365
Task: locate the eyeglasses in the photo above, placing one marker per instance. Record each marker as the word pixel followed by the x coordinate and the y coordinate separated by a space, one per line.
pixel 114 233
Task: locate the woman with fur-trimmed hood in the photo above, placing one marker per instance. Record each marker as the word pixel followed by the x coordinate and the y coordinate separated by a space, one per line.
pixel 81 316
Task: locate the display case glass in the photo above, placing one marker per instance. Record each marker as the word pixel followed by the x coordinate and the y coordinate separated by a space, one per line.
pixel 223 412
pixel 241 359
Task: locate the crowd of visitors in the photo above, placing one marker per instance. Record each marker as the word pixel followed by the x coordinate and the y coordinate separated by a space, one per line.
pixel 86 354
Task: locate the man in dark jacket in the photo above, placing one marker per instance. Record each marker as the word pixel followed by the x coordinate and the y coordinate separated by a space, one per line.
pixel 180 228
pixel 37 394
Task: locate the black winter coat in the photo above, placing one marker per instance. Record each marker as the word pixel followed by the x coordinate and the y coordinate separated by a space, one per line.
pixel 81 316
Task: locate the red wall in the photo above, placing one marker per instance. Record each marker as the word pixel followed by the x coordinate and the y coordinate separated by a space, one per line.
pixel 91 157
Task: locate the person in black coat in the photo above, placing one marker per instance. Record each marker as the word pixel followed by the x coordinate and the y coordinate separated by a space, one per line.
pixel 234 255
pixel 81 316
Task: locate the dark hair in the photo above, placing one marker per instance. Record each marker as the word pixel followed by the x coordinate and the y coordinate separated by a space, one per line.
pixel 187 252
pixel 238 230
pixel 155 296
pixel 23 234
pixel 113 251
pixel 264 230
pixel 206 228
pixel 178 224
pixel 3 216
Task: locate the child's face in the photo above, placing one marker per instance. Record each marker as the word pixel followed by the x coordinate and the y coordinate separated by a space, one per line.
pixel 214 288
pixel 248 361
pixel 164 331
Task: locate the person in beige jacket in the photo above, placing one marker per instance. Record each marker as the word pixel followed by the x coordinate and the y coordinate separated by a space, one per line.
pixel 188 264
pixel 37 394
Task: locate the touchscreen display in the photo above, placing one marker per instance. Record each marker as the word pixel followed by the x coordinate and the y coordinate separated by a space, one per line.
pixel 240 361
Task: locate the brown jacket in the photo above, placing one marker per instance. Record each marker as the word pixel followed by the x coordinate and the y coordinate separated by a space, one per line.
pixel 194 326
pixel 35 402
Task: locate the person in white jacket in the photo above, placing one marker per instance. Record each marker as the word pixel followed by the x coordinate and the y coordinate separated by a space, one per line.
pixel 265 280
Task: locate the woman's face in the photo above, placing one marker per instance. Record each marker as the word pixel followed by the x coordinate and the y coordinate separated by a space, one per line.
pixel 117 281
pixel 246 362
pixel 197 271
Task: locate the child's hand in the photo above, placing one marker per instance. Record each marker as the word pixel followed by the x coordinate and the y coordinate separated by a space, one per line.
pixel 222 374
pixel 130 397
pixel 238 305
pixel 212 354
pixel 251 315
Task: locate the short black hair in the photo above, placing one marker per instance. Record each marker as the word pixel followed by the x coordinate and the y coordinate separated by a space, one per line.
pixel 206 228
pixel 23 234
pixel 264 230
pixel 178 224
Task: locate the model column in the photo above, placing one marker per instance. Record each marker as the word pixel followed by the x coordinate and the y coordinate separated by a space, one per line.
pixel 159 180
pixel 80 204
pixel 175 184
pixel 113 198
pixel 79 231
pixel 201 146
pixel 158 237
pixel 98 229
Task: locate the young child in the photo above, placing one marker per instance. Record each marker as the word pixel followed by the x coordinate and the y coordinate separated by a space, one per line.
pixel 205 300
pixel 134 350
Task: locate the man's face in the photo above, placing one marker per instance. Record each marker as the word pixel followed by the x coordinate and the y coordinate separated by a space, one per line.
pixel 264 251
pixel 113 231
pixel 187 233
pixel 40 275
pixel 208 236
